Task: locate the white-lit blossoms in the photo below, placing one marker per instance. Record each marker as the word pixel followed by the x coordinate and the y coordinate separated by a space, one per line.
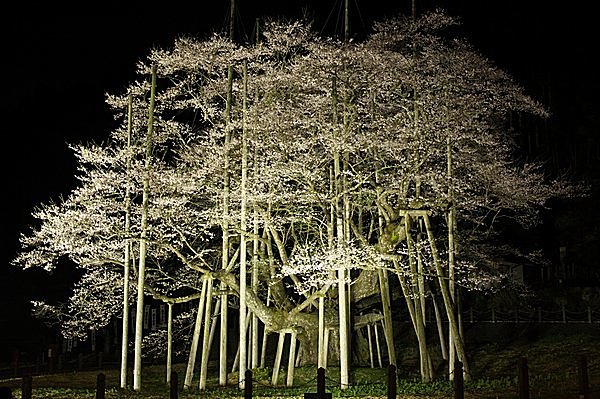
pixel 316 266
pixel 340 142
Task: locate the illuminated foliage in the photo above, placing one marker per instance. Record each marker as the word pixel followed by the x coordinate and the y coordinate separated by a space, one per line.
pixel 391 107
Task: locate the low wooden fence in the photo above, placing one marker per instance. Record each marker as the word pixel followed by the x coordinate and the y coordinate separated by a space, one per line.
pixel 561 315
pixel 59 363
pixel 523 380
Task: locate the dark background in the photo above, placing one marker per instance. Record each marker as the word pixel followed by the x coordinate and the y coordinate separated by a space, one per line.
pixel 59 60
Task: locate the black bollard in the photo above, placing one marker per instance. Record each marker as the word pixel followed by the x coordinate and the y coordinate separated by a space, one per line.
pixel 100 386
pixel 459 381
pixel 174 386
pixel 523 379
pixel 320 394
pixel 391 382
pixel 584 382
pixel 320 383
pixel 6 393
pixel 26 387
pixel 248 384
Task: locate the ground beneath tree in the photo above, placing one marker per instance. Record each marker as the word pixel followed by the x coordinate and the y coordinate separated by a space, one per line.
pixel 553 355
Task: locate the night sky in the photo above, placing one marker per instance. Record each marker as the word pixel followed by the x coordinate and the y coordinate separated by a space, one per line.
pixel 59 61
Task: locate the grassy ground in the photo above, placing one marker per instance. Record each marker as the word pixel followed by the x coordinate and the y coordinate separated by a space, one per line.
pixel 553 356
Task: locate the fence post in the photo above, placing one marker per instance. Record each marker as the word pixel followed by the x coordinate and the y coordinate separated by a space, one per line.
pixel 564 313
pixel 459 382
pixel 320 382
pixel 493 315
pixel 584 387
pixel 523 379
pixel 173 386
pixel 391 382
pixel 26 387
pixel 248 384
pixel 100 386
pixel 589 312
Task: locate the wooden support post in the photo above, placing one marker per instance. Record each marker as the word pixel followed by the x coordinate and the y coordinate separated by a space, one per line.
pixel 459 382
pixel 173 386
pixel 326 348
pixel 291 360
pixel 523 379
pixel 275 375
pixel 100 386
pixel 248 384
pixel 378 346
pixel 584 382
pixel 370 346
pixel 26 387
pixel 391 382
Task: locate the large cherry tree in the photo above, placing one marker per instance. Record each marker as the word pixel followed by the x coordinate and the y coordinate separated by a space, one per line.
pixel 324 168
